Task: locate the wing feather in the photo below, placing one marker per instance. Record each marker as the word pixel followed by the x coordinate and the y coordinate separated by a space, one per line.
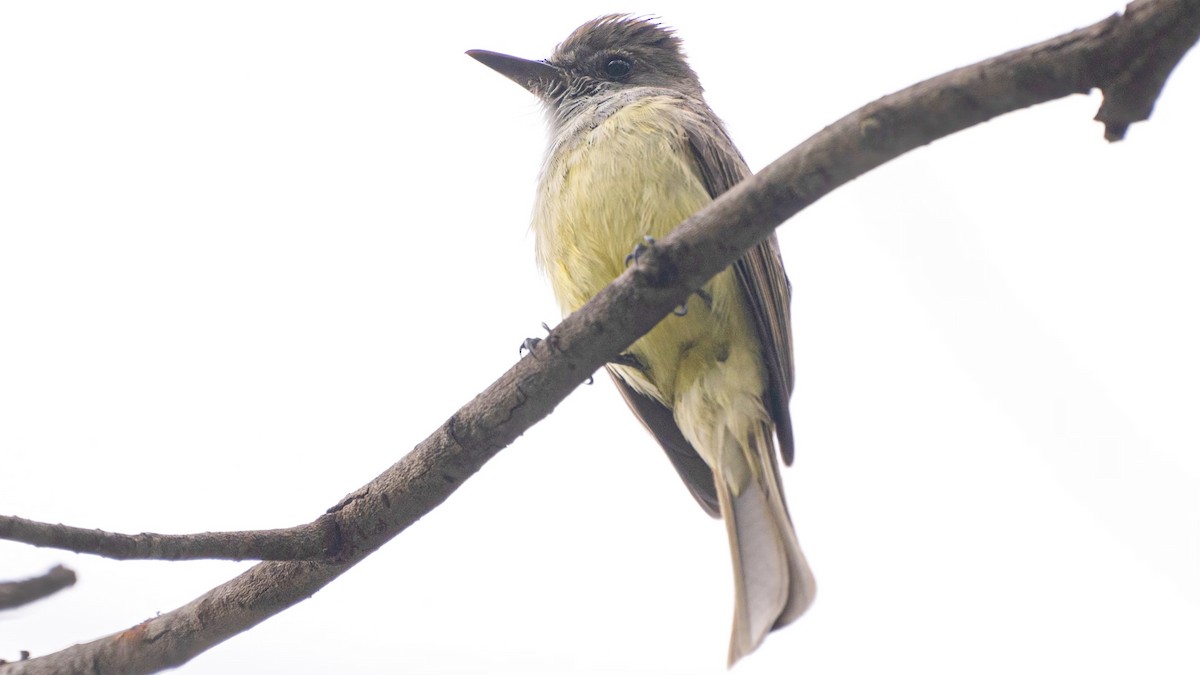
pixel 761 275
pixel 766 287
pixel 660 421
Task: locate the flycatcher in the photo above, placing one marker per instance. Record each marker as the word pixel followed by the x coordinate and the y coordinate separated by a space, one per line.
pixel 633 151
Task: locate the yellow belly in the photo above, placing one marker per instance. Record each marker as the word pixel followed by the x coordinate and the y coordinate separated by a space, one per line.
pixel 633 176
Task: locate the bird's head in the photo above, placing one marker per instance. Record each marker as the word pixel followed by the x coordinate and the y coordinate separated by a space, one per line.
pixel 602 56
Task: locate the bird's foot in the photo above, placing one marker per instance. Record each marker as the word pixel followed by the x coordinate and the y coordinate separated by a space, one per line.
pixel 638 249
pixel 528 344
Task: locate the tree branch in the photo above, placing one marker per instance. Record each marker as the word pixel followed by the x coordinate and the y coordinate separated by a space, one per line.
pixel 17 593
pixel 303 542
pixel 1115 55
pixel 1131 90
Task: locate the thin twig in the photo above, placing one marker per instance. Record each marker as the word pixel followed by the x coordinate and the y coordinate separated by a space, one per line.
pixel 17 593
pixel 317 539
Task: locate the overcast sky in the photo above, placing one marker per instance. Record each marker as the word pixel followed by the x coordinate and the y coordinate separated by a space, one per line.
pixel 251 253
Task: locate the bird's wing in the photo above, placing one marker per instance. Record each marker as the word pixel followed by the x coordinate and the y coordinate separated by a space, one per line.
pixel 760 273
pixel 660 421
pixel 766 287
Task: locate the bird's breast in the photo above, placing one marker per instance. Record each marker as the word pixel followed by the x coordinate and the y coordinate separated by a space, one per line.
pixel 606 188
pixel 603 190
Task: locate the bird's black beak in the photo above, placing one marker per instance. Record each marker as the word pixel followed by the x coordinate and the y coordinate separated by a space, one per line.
pixel 539 77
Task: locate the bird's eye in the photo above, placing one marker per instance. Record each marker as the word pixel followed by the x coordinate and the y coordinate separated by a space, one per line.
pixel 617 67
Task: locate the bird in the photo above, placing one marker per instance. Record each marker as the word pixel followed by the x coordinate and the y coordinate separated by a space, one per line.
pixel 633 150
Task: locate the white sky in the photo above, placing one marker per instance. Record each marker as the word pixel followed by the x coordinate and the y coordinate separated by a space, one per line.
pixel 251 253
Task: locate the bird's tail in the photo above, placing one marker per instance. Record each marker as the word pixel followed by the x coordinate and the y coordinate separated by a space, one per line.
pixel 773 584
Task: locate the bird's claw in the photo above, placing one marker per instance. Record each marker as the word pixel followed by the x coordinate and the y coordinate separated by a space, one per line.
pixel 528 344
pixel 638 249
